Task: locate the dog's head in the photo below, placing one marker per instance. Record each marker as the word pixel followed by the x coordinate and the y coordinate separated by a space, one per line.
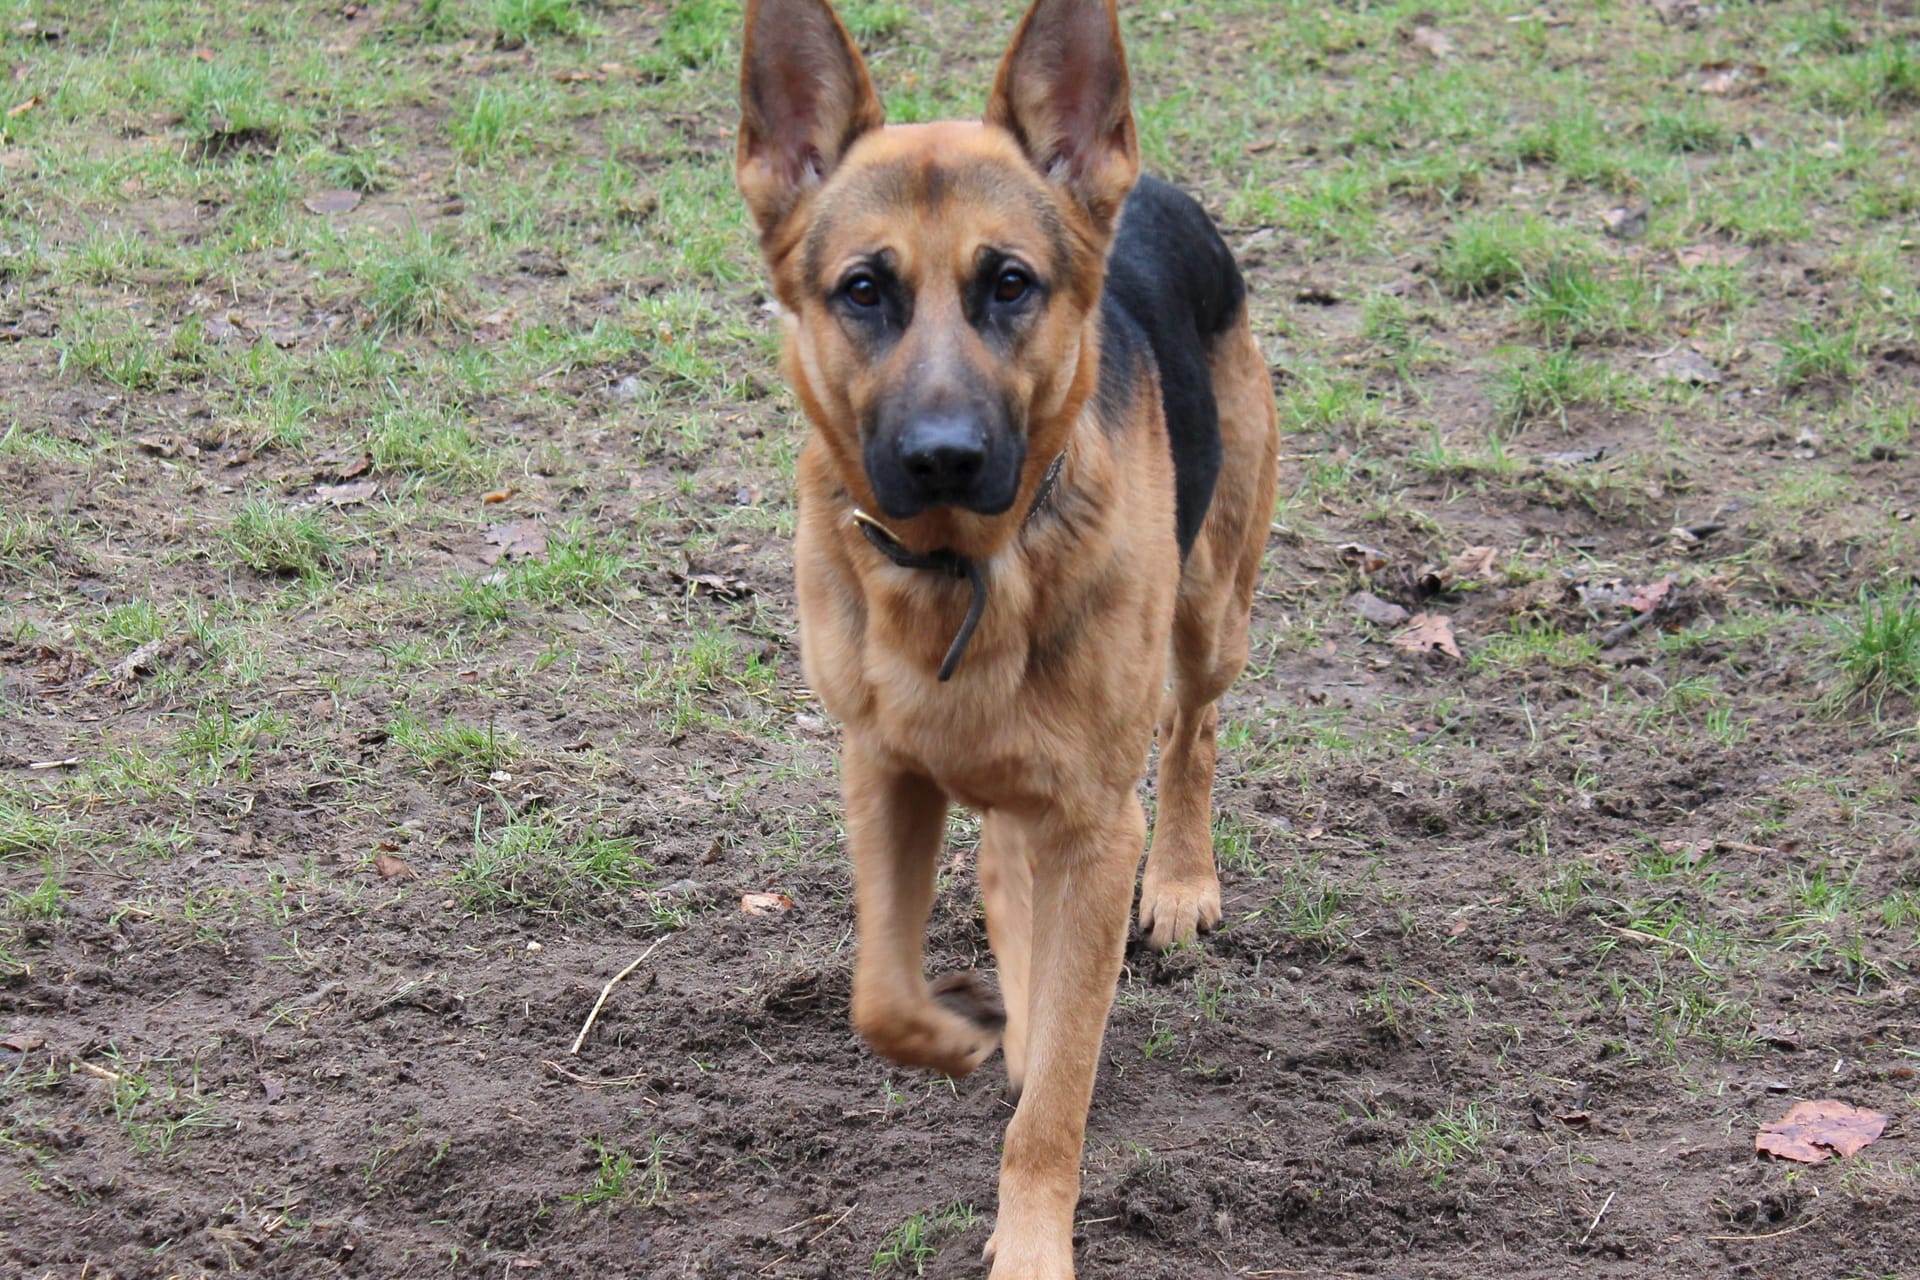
pixel 937 279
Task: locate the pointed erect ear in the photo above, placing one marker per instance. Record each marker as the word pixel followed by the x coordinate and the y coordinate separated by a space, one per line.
pixel 804 98
pixel 1062 91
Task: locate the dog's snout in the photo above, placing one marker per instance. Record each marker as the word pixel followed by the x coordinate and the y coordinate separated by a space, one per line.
pixel 944 455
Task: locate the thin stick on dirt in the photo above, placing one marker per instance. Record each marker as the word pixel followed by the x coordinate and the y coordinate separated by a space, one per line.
pixel 99 1073
pixel 1595 1224
pixel 612 1082
pixel 608 990
pixel 1659 941
pixel 1772 1235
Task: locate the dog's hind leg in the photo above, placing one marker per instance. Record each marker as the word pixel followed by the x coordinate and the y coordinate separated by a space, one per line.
pixel 1180 892
pixel 896 822
pixel 1006 882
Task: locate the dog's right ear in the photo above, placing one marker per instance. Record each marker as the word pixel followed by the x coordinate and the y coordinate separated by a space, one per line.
pixel 804 98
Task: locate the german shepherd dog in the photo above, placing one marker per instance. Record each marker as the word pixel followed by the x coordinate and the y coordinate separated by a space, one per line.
pixel 1041 465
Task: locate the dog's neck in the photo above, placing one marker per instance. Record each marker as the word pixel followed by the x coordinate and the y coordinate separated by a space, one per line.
pixel 952 564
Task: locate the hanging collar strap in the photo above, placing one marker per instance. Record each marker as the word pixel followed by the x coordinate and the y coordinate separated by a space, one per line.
pixel 951 564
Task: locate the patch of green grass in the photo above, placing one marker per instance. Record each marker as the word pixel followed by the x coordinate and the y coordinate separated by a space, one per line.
pixel 909 1247
pixel 272 538
pixel 1533 386
pixel 24 830
pixel 1531 645
pixel 1877 650
pixel 579 567
pixel 47 900
pixel 433 442
pixel 1455 1135
pixel 542 863
pixel 462 751
pixel 420 285
pixel 155 1112
pixel 697 34
pixel 112 347
pixel 621 1177
pixel 518 21
pixel 1687 130
pixel 219 742
pixel 1573 301
pixel 1486 255
pixel 1820 355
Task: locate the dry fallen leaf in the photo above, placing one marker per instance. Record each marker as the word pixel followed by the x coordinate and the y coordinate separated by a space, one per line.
pixel 765 904
pixel 1367 559
pixel 1812 1131
pixel 498 495
pixel 1711 255
pixel 1475 563
pixel 1430 42
pixel 346 495
pixel 1428 633
pixel 24 107
pixel 1625 222
pixel 394 868
pixel 520 540
pixel 1650 597
pixel 719 585
pixel 334 200
pixel 1723 79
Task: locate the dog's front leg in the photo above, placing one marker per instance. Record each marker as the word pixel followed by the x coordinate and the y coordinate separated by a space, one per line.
pixel 1082 896
pixel 895 824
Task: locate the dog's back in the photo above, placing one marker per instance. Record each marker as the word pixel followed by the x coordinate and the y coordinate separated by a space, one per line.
pixel 1172 289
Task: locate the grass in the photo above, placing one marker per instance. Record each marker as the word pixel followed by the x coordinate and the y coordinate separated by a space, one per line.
pixel 624 1178
pixel 271 538
pixel 916 1242
pixel 545 865
pixel 1877 649
pixel 1451 1138
pixel 420 285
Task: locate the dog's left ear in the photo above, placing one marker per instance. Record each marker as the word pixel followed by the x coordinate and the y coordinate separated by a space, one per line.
pixel 1062 91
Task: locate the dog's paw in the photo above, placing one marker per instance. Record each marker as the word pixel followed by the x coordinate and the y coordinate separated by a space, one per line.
pixel 953 1029
pixel 1175 910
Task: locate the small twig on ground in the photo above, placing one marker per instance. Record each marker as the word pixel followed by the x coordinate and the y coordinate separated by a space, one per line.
pixel 1639 622
pixel 607 990
pixel 100 1073
pixel 1659 941
pixel 1594 1225
pixel 816 1236
pixel 611 1082
pixel 1771 1235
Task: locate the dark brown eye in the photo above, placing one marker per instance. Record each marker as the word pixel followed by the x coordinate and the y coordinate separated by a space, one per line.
pixel 1012 285
pixel 862 291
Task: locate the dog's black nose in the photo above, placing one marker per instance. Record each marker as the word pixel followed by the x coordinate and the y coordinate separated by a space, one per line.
pixel 944 455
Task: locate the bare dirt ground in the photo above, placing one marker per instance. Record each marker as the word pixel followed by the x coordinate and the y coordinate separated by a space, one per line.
pixel 397 642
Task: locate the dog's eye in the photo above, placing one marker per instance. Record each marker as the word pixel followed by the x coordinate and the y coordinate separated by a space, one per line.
pixel 1012 285
pixel 862 291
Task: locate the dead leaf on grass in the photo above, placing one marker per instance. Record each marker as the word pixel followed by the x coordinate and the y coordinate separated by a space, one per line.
pixel 1711 255
pixel 765 904
pixel 1474 563
pixel 333 200
pixel 1810 1132
pixel 273 1087
pixel 23 1042
pixel 498 495
pixel 24 107
pixel 1431 42
pixel 520 540
pixel 1685 13
pixel 1650 597
pixel 1725 79
pixel 346 495
pixel 167 444
pixel 392 867
pixel 720 586
pixel 1428 633
pixel 1363 557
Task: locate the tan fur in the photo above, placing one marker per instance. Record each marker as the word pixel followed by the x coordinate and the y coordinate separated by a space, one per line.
pixel 1046 726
